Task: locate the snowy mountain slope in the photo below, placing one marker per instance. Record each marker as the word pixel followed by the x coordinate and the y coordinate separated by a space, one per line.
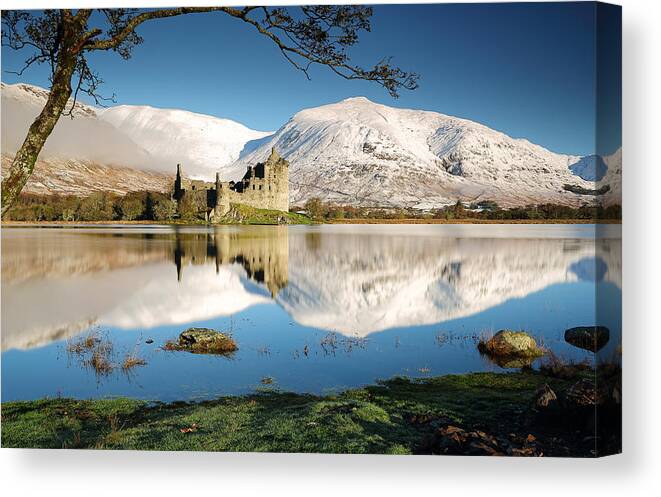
pixel 360 152
pixel 202 144
pixel 84 138
pixel 353 152
pixel 138 137
pixel 81 178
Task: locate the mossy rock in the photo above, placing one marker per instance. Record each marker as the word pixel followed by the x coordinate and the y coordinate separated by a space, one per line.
pixel 203 341
pixel 592 338
pixel 508 344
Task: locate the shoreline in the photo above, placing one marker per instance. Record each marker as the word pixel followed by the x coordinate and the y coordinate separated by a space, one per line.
pixel 463 414
pixel 344 221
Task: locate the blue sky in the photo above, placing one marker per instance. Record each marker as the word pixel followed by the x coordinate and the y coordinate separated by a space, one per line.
pixel 525 69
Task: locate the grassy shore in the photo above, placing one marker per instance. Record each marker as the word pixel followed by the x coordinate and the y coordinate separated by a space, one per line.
pixel 399 416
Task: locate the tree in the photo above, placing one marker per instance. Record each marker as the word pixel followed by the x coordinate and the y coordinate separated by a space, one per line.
pixel 132 206
pixel 458 210
pixel 163 208
pixel 305 36
pixel 315 208
pixel 98 206
pixel 191 207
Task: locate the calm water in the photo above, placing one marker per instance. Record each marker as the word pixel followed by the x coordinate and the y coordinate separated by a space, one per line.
pixel 317 309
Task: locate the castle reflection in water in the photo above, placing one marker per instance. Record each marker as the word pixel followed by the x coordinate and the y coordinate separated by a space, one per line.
pixel 264 253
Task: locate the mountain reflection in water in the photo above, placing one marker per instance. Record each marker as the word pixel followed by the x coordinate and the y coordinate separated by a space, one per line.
pixel 316 308
pixel 355 280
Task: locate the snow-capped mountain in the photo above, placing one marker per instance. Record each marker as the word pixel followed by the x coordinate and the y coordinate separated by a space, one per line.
pixel 83 138
pixel 352 152
pixel 139 137
pixel 360 152
pixel 202 144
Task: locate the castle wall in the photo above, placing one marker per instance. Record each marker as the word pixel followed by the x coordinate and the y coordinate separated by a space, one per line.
pixel 265 186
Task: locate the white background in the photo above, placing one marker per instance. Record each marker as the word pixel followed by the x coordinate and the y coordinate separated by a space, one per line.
pixel 636 472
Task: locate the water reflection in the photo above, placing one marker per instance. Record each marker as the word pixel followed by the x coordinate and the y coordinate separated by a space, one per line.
pixel 355 280
pixel 262 252
pixel 314 308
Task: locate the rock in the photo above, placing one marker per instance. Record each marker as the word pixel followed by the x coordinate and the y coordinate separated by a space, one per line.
pixel 149 341
pixel 545 398
pixel 592 338
pixel 510 344
pixel 203 341
pixel 584 393
pixel 197 336
pixel 545 408
pixel 454 440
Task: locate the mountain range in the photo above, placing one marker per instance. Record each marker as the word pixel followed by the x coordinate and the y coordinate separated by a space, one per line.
pixel 354 152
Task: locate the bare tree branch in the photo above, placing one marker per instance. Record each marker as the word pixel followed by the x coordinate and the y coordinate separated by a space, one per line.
pixel 305 36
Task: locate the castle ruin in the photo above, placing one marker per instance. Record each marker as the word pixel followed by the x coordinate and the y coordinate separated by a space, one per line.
pixel 264 186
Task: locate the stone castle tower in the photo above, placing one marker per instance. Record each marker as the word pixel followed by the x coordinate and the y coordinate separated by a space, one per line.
pixel 263 186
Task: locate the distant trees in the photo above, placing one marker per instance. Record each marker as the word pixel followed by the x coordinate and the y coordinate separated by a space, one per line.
pixel 163 208
pixel 315 208
pixel 191 207
pixel 156 206
pixel 64 38
pixel 487 210
pixel 132 206
pixel 98 206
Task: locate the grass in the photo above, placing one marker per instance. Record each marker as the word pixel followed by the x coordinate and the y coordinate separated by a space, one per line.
pixel 100 362
pixel 393 416
pixel 557 367
pixel 244 214
pixel 131 361
pixel 83 344
pixel 95 351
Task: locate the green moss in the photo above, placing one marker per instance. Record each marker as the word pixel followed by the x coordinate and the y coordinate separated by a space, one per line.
pixel 245 214
pixel 374 419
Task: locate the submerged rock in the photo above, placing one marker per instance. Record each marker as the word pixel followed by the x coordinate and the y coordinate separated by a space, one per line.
pixel 203 341
pixel 592 338
pixel 507 345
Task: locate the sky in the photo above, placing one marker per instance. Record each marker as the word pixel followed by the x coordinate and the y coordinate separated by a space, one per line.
pixel 528 70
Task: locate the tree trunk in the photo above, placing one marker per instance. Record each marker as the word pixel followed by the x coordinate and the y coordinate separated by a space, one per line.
pixel 26 157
